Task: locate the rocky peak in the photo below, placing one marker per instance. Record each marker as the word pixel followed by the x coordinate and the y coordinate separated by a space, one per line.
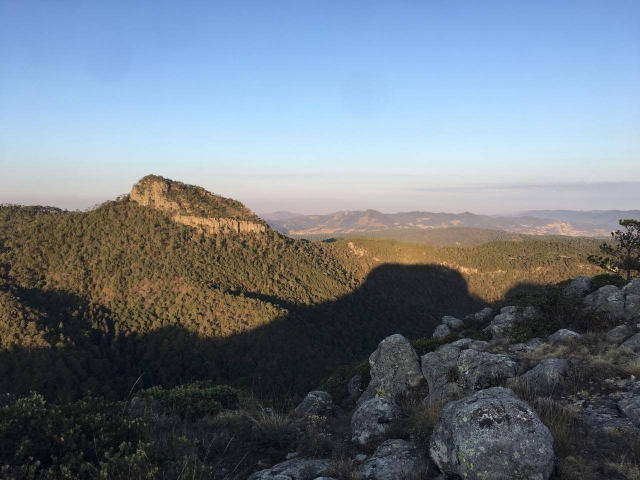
pixel 195 206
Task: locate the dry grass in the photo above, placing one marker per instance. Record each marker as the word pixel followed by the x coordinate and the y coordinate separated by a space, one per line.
pixel 565 427
pixel 632 368
pixel 271 428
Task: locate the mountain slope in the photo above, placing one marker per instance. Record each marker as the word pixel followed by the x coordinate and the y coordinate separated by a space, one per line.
pixel 91 301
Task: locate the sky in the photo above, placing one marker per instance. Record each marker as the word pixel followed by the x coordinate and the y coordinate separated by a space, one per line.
pixel 326 105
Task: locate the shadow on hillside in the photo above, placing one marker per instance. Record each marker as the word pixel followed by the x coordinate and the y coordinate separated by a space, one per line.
pixel 292 353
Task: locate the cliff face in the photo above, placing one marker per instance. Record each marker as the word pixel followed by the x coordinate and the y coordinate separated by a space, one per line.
pixel 196 207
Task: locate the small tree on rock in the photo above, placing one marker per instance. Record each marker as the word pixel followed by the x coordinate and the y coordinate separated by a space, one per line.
pixel 624 255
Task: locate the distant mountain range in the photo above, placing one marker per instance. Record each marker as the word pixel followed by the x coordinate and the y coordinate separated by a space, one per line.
pixel 279 215
pixel 595 223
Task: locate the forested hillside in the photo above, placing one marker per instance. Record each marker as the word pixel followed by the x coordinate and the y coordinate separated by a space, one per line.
pixel 124 295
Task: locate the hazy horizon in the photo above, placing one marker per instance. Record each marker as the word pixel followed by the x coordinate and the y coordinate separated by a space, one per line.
pixel 317 107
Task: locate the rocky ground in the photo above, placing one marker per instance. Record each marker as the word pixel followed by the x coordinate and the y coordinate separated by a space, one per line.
pixel 493 401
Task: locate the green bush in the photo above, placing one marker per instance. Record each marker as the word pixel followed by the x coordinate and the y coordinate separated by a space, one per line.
pixel 336 384
pixel 196 400
pixel 426 345
pixel 41 440
pixel 607 279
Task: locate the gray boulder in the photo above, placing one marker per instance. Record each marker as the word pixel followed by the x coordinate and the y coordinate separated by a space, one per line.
pixel 440 368
pixel 452 322
pixel 395 369
pixel 315 403
pixel 578 287
pixel 371 419
pixel 355 386
pixel 546 375
pixel 504 322
pixel 481 316
pixel 632 288
pixel 608 299
pixel 563 336
pixel 441 331
pixel 620 332
pixel 492 435
pixel 392 460
pixel 633 343
pixel 632 307
pixel 508 309
pixel 531 346
pixel 630 408
pixel 465 343
pixel 479 370
pixel 301 468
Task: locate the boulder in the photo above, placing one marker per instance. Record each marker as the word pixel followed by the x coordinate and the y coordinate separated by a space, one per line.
pixel 441 331
pixel 608 299
pixel 355 386
pixel 440 368
pixel 509 309
pixel 632 307
pixel 632 288
pixel 531 346
pixel 301 468
pixel 315 403
pixel 392 460
pixel 630 408
pixel 452 322
pixel 372 418
pixel 482 316
pixel 502 323
pixel 492 435
pixel 477 370
pixel 633 343
pixel 465 343
pixel 546 375
pixel 563 336
pixel 395 369
pixel 578 287
pixel 619 332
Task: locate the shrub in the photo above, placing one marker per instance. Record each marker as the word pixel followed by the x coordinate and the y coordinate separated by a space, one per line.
pixel 42 440
pixel 195 400
pixel 607 279
pixel 336 384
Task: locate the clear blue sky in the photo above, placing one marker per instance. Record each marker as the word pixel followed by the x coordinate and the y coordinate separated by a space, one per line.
pixel 317 106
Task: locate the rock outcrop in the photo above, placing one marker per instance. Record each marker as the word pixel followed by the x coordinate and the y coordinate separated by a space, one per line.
pixel 547 375
pixel 392 460
pixel 441 331
pixel 186 205
pixel 452 322
pixel 578 287
pixel 371 419
pixel 563 335
pixel 395 369
pixel 299 468
pixel 451 370
pixel 492 435
pixel 617 303
pixel 479 370
pixel 315 403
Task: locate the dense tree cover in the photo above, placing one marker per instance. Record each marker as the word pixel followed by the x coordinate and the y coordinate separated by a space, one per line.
pixel 460 236
pixel 623 256
pixel 121 296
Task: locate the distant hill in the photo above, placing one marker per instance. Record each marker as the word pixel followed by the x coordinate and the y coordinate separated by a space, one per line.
pixel 350 223
pixel 279 215
pixel 607 219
